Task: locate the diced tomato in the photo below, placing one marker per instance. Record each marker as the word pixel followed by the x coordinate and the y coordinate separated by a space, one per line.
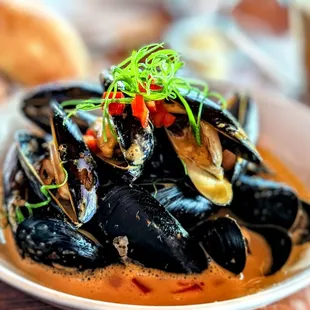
pixel 168 119
pixel 140 110
pixel 151 105
pixel 91 142
pixel 115 108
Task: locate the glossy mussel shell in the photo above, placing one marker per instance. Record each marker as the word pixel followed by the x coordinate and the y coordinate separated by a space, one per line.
pixel 77 160
pixel 224 122
pixel 153 237
pixel 36 102
pixel 259 201
pixel 53 242
pixel 220 237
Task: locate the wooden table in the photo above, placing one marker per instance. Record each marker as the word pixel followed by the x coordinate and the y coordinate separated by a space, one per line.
pixel 11 299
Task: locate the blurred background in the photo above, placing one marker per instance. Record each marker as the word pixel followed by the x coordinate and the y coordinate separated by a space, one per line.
pixel 253 43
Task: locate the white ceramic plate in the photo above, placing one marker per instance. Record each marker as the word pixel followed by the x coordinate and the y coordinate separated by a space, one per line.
pixel 285 129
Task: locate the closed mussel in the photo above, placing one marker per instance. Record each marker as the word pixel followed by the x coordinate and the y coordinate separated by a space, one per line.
pixel 148 233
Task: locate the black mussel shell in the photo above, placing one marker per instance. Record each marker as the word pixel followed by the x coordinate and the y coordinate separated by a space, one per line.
pixel 280 244
pixel 77 160
pixel 301 231
pixel 260 201
pixel 155 238
pixel 11 168
pixel 35 104
pixel 245 110
pixel 164 166
pixel 53 242
pixel 32 149
pixel 225 123
pixel 186 205
pixel 136 142
pixel 223 240
pixel 14 185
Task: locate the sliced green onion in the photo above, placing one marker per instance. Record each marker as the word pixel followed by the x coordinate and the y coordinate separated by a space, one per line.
pixel 185 167
pixel 45 191
pixel 148 64
pixel 198 134
pixel 19 215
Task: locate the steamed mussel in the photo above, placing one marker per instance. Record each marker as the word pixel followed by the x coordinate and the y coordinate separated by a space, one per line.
pixel 168 183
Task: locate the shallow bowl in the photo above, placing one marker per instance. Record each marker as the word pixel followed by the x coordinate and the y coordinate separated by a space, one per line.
pixel 285 130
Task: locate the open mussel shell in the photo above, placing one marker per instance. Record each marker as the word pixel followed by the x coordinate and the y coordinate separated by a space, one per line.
pixel 224 122
pixel 217 191
pixel 32 152
pixel 301 230
pixel 35 103
pixel 223 240
pixel 77 160
pixel 14 185
pixel 153 237
pixel 53 242
pixel 279 241
pixel 186 205
pixel 245 110
pixel 203 162
pixel 260 201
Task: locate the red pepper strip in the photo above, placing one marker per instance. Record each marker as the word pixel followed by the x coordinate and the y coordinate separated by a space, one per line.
pixel 114 107
pixel 142 88
pixel 153 86
pixel 168 119
pixel 151 105
pixel 140 110
pixel 141 286
pixel 162 117
pixel 90 132
pixel 91 143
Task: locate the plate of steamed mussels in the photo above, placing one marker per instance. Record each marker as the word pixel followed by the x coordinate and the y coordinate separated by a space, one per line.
pixel 152 189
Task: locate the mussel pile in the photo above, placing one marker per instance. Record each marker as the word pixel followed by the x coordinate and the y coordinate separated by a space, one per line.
pixel 130 198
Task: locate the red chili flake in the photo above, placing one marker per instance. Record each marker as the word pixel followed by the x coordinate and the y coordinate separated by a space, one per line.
pixel 141 286
pixel 192 288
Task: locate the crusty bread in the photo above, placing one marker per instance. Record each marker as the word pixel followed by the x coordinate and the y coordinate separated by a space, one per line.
pixel 37 46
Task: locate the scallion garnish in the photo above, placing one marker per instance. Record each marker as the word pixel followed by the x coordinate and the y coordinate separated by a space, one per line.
pixel 151 65
pixel 45 191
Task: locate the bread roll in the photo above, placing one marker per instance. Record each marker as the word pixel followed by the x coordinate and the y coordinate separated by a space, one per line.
pixel 37 46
